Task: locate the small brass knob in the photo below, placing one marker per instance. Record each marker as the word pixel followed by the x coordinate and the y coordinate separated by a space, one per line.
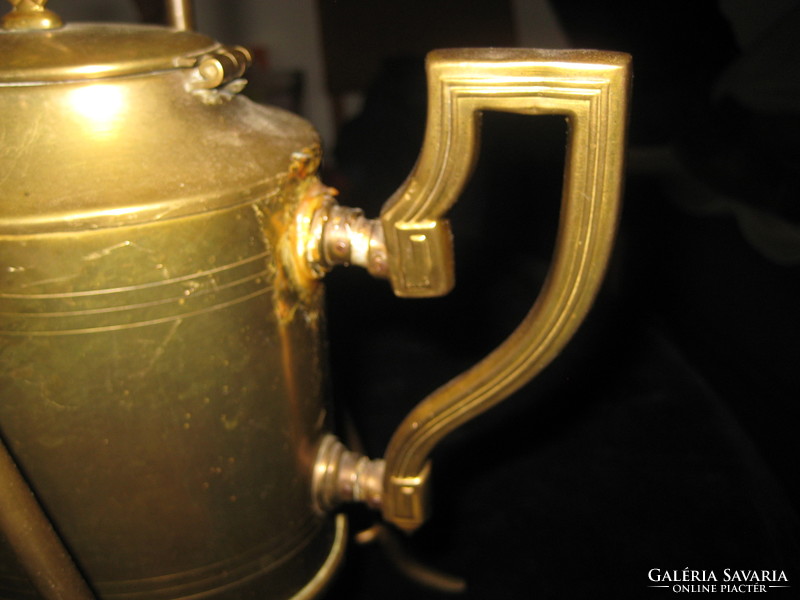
pixel 30 15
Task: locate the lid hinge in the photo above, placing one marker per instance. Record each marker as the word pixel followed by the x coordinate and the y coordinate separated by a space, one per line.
pixel 217 76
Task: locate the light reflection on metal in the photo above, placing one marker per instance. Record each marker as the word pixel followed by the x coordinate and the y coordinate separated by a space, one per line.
pixel 99 106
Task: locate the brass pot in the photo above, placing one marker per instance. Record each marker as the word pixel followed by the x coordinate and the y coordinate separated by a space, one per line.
pixel 162 241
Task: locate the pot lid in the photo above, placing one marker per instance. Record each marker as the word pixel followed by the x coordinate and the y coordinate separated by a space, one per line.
pixel 115 125
pixel 36 48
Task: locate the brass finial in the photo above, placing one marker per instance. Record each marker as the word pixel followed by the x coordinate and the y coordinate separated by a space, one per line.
pixel 30 14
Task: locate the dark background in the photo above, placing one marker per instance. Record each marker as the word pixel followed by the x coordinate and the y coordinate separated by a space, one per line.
pixel 665 435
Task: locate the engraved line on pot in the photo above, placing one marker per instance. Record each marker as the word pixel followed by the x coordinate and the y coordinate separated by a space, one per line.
pixel 209 309
pixel 229 572
pixel 139 286
pixel 214 288
pixel 131 215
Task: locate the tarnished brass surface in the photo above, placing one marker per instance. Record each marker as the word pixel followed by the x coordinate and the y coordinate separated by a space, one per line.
pixel 161 369
pixel 161 243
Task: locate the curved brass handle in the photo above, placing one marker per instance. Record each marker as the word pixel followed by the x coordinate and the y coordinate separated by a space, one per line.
pixel 591 89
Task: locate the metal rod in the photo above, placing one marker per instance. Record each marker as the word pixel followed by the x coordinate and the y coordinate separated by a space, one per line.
pixel 180 14
pixel 34 541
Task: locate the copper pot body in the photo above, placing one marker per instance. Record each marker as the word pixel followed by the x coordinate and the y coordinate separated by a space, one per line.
pixel 161 372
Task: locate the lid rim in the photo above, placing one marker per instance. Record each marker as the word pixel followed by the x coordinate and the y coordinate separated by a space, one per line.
pixel 90 51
